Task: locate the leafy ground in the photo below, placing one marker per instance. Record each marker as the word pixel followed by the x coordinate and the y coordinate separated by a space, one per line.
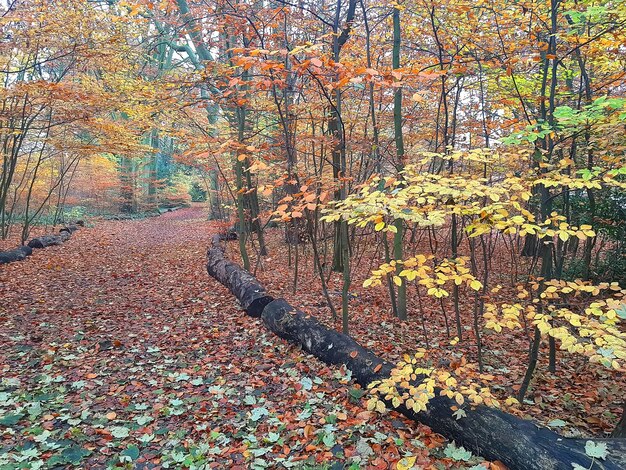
pixel 118 351
pixel 580 399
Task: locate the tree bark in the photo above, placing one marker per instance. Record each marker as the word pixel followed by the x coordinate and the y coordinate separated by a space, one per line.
pixel 489 432
pixel 240 282
pixel 17 254
pixel 71 228
pixel 49 240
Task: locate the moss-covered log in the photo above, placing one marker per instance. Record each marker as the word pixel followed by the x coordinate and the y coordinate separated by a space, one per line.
pixel 489 432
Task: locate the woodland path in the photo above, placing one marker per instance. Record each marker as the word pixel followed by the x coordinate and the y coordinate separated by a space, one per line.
pixel 117 347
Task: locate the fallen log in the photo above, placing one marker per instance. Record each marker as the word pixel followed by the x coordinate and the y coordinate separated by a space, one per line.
pixel 49 240
pixel 44 241
pixel 489 432
pixel 18 254
pixel 70 228
pixel 241 283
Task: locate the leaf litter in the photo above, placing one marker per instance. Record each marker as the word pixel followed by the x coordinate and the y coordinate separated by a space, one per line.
pixel 118 351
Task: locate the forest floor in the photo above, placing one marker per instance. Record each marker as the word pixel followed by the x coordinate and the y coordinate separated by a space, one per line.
pixel 118 351
pixel 563 401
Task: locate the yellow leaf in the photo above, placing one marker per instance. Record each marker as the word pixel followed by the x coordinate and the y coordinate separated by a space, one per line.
pixel 564 236
pixel 379 226
pixel 406 463
pixel 476 284
pixel 511 401
pixel 371 404
pixel 397 280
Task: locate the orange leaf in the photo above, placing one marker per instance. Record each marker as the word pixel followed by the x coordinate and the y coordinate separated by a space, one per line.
pixel 378 367
pixel 111 415
pixel 497 465
pixel 354 354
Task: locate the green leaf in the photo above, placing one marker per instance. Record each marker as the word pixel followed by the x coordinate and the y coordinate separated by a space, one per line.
pixel 307 384
pixel 258 413
pixel 143 419
pixel 10 420
pixel 146 438
pixel 74 454
pixel 460 454
pixel 132 452
pixel 557 423
pixel 356 393
pixel 305 413
pixel 460 413
pixel 596 450
pixel 329 440
pixel 249 400
pixel 120 432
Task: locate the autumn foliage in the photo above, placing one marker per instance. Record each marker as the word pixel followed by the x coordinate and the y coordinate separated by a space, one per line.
pixel 445 180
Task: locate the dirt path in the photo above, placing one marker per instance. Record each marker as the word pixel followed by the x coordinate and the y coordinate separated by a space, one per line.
pixel 118 351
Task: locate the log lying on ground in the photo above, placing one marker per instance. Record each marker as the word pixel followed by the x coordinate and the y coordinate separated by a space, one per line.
pixel 17 254
pixel 240 282
pixel 489 432
pixel 163 210
pixel 70 228
pixel 143 215
pixel 40 242
pixel 49 240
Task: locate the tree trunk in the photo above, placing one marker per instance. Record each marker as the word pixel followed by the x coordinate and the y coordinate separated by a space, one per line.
pixel 49 240
pixel 240 282
pixel 489 432
pixel 17 254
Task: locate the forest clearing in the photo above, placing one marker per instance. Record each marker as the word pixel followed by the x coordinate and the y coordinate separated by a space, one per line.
pixel 313 235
